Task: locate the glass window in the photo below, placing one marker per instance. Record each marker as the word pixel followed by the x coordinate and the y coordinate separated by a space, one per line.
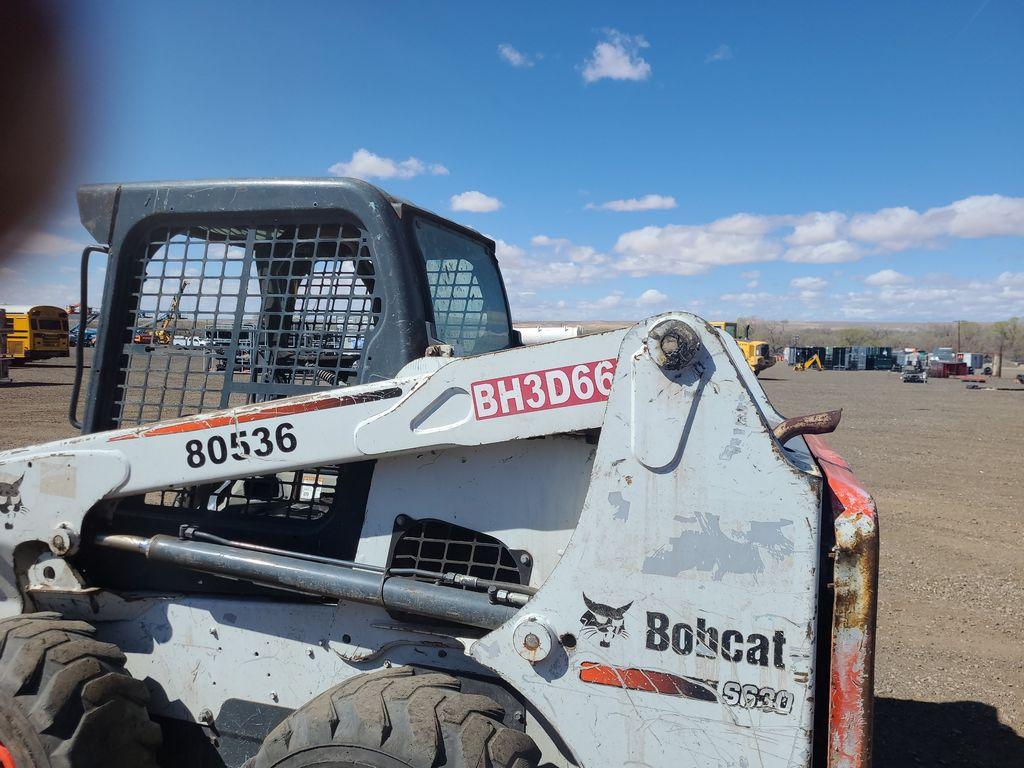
pixel 470 312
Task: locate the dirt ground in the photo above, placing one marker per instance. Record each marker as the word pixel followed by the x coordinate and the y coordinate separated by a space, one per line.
pixel 945 467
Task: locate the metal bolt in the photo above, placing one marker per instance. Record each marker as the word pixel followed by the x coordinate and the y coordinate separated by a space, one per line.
pixel 401 521
pixel 273 695
pixel 213 631
pixel 206 716
pixel 525 559
pixel 387 664
pixel 531 642
pixel 518 716
pixel 675 344
pixel 58 543
pixel 310 652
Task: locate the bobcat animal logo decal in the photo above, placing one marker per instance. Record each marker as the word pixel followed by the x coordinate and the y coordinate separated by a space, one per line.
pixel 605 620
pixel 10 496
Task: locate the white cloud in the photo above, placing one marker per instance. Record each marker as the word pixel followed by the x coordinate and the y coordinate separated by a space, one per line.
pixel 808 283
pixel 645 203
pixel 721 53
pixel 474 201
pixel 748 298
pixel 819 237
pixel 512 55
pixel 816 228
pixel 897 229
pixel 617 58
pixel 366 165
pixel 651 298
pixel 825 253
pixel 690 250
pixel 887 277
pixel 526 273
pixel 579 254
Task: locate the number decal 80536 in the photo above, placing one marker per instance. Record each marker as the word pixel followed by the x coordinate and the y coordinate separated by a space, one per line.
pixel 216 449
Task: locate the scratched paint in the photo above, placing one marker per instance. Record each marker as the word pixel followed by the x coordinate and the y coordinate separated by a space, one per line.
pixel 704 546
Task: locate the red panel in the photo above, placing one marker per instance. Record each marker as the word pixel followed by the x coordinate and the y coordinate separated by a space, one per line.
pixel 855 580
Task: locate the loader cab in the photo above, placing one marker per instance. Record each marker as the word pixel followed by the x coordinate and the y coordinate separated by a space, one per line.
pixel 295 286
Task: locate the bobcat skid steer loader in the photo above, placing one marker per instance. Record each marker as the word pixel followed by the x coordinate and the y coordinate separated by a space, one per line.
pixel 369 528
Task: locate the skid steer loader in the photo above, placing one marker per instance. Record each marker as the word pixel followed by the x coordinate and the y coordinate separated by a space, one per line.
pixel 391 535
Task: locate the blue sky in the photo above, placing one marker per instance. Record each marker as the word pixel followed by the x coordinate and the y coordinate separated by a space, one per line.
pixel 830 161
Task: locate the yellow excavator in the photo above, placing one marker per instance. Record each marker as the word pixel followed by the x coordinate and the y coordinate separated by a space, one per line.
pixel 158 332
pixel 756 352
pixel 806 365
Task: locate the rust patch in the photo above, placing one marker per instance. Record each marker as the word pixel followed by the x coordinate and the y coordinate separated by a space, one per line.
pixel 812 424
pixel 851 682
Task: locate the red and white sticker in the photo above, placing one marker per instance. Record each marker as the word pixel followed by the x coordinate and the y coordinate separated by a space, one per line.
pixel 542 390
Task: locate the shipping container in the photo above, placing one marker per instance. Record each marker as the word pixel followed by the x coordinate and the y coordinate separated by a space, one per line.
pixel 943 369
pixel 975 360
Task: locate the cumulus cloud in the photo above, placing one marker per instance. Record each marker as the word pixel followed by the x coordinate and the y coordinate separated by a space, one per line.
pixel 578 254
pixel 651 298
pixel 887 277
pixel 475 202
pixel 819 237
pixel 721 53
pixel 896 229
pixel 367 165
pixel 808 283
pixel 513 56
pixel 815 228
pixel 558 263
pixel 834 252
pixel 690 250
pixel 617 57
pixel 645 203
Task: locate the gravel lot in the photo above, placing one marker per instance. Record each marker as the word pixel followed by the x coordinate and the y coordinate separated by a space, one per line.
pixel 944 465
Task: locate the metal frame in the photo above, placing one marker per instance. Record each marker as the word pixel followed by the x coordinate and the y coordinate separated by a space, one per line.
pixel 677 622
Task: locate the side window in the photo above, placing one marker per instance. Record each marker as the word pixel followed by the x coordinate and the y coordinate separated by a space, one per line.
pixel 470 312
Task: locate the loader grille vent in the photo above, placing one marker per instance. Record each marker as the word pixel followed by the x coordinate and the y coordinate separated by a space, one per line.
pixel 224 316
pixel 434 545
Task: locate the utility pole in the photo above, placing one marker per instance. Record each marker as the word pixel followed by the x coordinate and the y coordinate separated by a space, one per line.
pixel 958 336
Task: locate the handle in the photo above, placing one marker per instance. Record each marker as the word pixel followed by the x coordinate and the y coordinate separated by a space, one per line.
pixel 83 313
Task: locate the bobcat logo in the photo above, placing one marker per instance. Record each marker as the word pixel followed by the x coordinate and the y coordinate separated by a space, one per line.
pixel 10 493
pixel 609 622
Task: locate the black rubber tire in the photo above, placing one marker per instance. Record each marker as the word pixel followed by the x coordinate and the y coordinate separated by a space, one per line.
pixel 397 718
pixel 66 700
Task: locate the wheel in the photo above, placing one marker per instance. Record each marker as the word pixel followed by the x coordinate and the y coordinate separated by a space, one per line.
pixel 66 700
pixel 397 718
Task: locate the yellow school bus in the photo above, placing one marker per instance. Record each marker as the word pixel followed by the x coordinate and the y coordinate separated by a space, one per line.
pixel 36 333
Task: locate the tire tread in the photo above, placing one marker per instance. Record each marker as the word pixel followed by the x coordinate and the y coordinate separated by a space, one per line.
pixel 420 718
pixel 74 690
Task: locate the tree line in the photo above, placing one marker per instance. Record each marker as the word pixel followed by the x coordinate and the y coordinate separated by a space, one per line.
pixel 1004 336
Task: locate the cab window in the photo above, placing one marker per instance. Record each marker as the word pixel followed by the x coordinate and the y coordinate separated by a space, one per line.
pixel 470 312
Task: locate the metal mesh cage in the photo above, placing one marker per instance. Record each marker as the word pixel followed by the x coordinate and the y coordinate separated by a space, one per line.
pixel 434 545
pixel 225 316
pixel 231 315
